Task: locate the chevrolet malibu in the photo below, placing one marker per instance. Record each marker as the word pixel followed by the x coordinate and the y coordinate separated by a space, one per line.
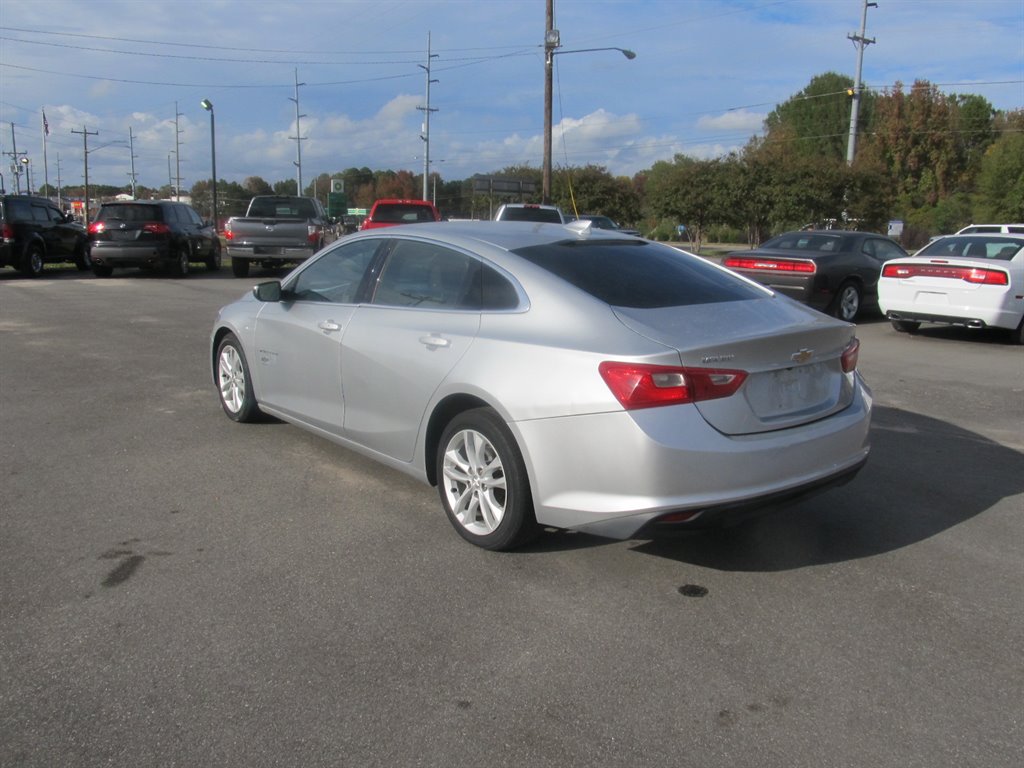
pixel 545 375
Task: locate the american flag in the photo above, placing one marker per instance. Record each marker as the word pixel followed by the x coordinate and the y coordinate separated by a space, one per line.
pixel 46 125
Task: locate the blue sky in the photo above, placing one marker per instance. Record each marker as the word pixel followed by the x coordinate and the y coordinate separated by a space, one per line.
pixel 706 74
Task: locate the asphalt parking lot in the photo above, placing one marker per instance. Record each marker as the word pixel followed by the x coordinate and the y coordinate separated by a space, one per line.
pixel 181 590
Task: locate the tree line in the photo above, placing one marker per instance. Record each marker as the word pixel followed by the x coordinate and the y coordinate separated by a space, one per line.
pixel 935 161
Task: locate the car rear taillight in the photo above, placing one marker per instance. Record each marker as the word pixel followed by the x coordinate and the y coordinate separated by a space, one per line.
pixel 95 227
pixel 977 275
pixel 850 356
pixel 313 234
pixel 774 265
pixel 156 228
pixel 8 232
pixel 646 386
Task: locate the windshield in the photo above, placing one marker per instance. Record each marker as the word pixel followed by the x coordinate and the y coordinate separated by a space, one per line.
pixel 997 247
pixel 638 274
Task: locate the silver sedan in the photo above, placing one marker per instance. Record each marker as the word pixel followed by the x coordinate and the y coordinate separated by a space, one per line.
pixel 548 375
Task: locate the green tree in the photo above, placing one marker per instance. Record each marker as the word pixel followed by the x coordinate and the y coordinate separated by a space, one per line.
pixel 817 119
pixel 255 185
pixel 1000 195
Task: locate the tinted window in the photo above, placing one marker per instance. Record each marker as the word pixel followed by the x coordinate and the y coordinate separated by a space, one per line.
pixel 638 274
pixel 336 275
pixel 544 215
pixel 430 276
pixel 18 210
pixel 803 241
pixel 130 213
pixel 991 247
pixel 401 213
pixel 39 213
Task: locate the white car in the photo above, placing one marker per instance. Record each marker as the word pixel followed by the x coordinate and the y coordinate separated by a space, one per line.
pixel 984 229
pixel 974 280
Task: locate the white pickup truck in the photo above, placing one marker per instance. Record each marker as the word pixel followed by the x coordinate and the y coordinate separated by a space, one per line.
pixel 277 230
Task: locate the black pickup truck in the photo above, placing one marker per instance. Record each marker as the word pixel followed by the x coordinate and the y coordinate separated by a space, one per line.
pixel 277 230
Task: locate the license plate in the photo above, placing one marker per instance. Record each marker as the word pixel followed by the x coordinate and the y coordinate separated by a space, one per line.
pixel 775 393
pixel 267 250
pixel 119 234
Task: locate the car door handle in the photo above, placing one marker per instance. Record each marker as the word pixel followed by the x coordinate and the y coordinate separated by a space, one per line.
pixel 434 342
pixel 328 326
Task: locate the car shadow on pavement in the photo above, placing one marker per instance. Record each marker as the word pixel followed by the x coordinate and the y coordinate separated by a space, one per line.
pixel 924 477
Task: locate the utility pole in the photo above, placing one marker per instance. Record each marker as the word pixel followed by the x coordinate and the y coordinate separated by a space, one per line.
pixel 60 196
pixel 298 137
pixel 860 42
pixel 15 161
pixel 131 155
pixel 177 154
pixel 426 119
pixel 551 41
pixel 46 165
pixel 86 133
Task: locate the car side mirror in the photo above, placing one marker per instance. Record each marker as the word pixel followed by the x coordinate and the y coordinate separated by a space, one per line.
pixel 268 292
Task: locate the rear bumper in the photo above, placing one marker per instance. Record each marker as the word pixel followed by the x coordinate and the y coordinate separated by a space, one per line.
pixel 949 314
pixel 270 252
pixel 616 474
pixel 111 255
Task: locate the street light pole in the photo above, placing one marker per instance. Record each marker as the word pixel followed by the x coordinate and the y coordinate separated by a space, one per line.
pixel 208 106
pixel 551 43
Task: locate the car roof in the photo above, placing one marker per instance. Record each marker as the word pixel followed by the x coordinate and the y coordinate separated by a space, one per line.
pixel 504 235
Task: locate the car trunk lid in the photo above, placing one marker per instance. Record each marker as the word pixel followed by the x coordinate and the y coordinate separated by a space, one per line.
pixel 791 355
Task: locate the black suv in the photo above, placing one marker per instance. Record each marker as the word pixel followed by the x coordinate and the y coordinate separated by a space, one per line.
pixel 34 232
pixel 151 233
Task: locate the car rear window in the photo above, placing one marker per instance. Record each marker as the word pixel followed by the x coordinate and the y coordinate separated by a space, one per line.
pixel 802 241
pixel 130 213
pixel 403 213
pixel 991 247
pixel 543 215
pixel 638 274
pixel 282 208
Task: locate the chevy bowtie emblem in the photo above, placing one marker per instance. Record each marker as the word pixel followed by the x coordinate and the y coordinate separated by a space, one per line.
pixel 802 356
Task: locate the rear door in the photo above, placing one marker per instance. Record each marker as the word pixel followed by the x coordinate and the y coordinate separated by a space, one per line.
pixel 398 349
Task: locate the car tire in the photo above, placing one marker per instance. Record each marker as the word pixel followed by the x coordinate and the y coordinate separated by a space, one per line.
pixel 482 481
pixel 102 270
pixel 847 301
pixel 82 259
pixel 213 261
pixel 234 384
pixel 1017 336
pixel 905 326
pixel 32 261
pixel 240 267
pixel 180 261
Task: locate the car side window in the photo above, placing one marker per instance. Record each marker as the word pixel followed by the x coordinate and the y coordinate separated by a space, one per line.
pixel 429 276
pixel 39 214
pixel 193 217
pixel 336 275
pixel 884 250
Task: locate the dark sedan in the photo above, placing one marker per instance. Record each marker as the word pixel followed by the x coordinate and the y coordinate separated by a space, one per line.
pixel 831 270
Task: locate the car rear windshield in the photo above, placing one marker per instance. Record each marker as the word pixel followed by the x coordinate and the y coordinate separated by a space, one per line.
pixel 803 241
pixel 133 212
pixel 403 213
pixel 543 215
pixel 282 208
pixel 638 274
pixel 976 247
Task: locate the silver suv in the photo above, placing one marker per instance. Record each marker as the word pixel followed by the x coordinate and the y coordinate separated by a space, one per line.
pixel 548 214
